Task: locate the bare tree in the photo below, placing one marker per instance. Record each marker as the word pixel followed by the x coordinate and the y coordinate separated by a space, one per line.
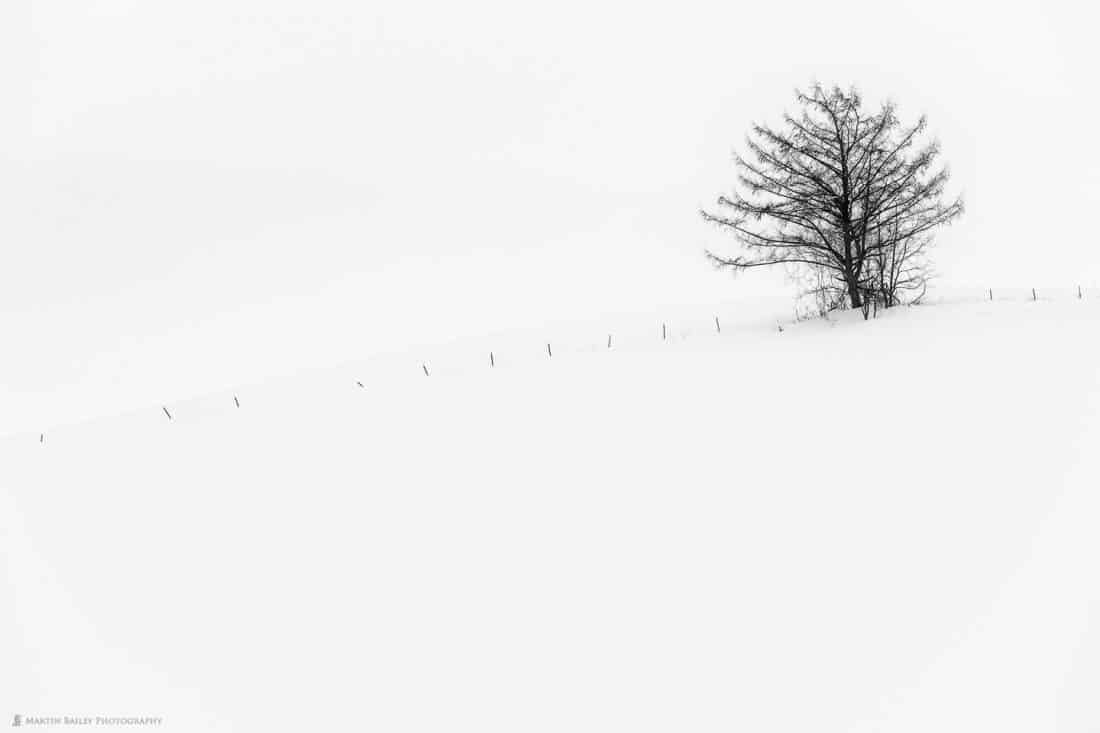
pixel 834 189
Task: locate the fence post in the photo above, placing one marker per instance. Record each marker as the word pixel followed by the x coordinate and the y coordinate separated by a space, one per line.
pixel 425 368
pixel 1033 295
pixel 991 293
pixel 609 341
pixel 663 336
pixel 549 353
pixel 717 325
pixel 238 402
pixel 492 363
pixel 166 412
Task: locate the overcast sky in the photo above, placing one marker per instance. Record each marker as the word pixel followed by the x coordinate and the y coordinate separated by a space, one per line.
pixel 195 195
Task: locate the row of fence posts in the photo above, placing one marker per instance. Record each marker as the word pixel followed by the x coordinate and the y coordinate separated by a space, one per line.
pixel 427 372
pixel 550 352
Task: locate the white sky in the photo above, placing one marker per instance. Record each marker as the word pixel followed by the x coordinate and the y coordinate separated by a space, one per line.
pixel 195 195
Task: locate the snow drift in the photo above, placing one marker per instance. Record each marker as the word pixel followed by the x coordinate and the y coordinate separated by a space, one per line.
pixel 847 526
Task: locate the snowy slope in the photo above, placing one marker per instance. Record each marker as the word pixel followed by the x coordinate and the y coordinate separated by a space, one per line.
pixel 847 526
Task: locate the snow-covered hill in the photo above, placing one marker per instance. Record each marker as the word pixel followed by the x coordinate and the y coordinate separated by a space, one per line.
pixel 844 526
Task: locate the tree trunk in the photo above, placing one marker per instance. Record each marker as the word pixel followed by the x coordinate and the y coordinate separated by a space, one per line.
pixel 853 291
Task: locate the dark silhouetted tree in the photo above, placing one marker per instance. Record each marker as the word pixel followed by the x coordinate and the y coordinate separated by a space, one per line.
pixel 853 195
